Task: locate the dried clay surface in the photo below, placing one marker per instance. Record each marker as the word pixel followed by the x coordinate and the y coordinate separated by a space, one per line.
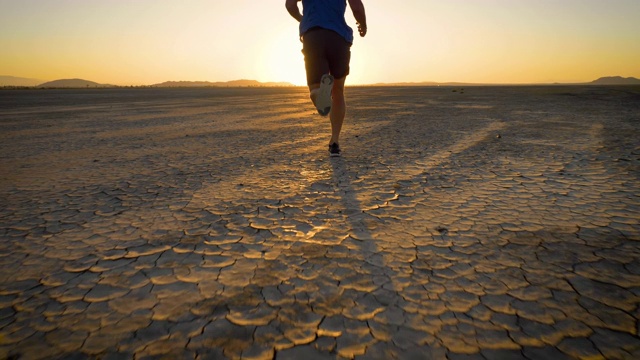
pixel 476 223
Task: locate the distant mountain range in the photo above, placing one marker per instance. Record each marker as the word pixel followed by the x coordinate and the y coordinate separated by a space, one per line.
pixel 234 83
pixel 73 83
pixel 429 83
pixel 18 81
pixel 616 80
pixel 608 80
pixel 12 81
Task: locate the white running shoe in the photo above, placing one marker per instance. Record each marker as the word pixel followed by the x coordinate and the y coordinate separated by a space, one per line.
pixel 323 95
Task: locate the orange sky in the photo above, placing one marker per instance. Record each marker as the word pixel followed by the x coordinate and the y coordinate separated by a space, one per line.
pixel 127 42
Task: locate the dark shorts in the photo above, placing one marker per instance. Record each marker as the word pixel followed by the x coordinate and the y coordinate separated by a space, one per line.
pixel 325 51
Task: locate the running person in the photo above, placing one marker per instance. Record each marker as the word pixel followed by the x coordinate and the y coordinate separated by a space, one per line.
pixel 326 45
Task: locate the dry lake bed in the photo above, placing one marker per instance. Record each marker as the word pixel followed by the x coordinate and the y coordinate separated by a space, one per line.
pixel 475 223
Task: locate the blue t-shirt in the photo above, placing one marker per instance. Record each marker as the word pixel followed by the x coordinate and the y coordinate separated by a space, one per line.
pixel 327 14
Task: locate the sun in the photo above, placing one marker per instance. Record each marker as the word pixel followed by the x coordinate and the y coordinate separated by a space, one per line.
pixel 282 58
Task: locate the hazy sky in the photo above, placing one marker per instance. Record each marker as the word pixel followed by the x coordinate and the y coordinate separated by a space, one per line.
pixel 149 41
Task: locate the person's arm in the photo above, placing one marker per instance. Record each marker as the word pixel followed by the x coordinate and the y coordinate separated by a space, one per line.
pixel 358 12
pixel 292 8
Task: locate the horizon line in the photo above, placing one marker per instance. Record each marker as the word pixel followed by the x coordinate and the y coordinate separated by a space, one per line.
pixel 258 83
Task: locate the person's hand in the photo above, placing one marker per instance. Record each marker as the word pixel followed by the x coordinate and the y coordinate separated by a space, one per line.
pixel 362 29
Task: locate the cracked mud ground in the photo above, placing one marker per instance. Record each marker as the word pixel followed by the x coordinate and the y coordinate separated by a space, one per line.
pixel 484 223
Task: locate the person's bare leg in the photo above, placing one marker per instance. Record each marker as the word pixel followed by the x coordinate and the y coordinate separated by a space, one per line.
pixel 338 109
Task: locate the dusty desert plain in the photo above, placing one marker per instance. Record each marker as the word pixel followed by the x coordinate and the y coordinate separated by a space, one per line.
pixel 475 223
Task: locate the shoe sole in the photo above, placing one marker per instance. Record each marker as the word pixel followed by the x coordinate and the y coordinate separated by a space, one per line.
pixel 323 101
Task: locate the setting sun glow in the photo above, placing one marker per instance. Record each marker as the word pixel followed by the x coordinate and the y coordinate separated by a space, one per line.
pixel 127 42
pixel 281 58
